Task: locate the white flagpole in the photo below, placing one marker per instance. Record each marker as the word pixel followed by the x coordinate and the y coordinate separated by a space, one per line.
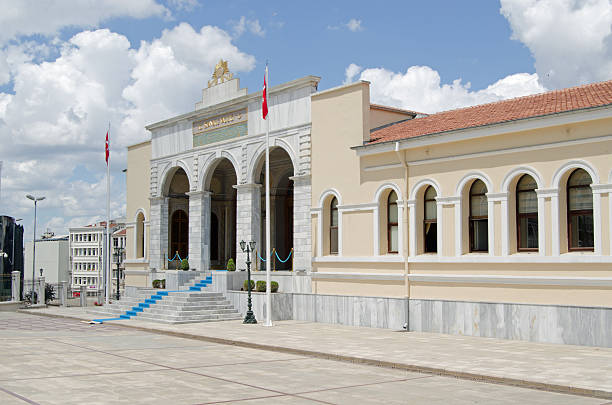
pixel 107 253
pixel 268 256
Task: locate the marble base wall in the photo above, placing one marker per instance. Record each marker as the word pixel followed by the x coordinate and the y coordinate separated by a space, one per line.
pixel 248 219
pixel 586 326
pixel 373 312
pixel 282 304
pixel 177 278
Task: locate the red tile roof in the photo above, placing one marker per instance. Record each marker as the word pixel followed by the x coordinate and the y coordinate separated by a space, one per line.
pixel 574 98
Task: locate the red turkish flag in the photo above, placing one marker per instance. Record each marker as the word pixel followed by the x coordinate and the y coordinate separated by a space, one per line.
pixel 264 104
pixel 107 148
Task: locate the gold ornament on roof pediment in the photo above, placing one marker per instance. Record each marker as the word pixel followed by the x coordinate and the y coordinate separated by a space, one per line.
pixel 220 74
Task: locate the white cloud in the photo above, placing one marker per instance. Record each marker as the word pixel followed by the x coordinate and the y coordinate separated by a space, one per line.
pixel 243 25
pixel 19 18
pixel 351 71
pixel 420 89
pixel 570 40
pixel 354 25
pixel 52 128
pixel 187 5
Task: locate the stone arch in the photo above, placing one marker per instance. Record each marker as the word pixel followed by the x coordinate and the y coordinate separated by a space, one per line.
pixel 468 178
pixel 328 193
pixel 212 163
pixel 384 187
pixel 422 185
pixel 168 174
pixel 258 158
pixel 562 172
pixel 515 174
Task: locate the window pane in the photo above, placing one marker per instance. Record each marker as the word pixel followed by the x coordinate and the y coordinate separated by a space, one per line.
pixel 393 241
pixel 430 193
pixel 333 241
pixel 334 217
pixel 479 205
pixel 579 178
pixel 581 231
pixel 431 210
pixel 528 237
pixel 431 238
pixel 480 236
pixel 580 198
pixel 478 187
pixel 526 183
pixel 392 197
pixel 392 213
pixel 527 202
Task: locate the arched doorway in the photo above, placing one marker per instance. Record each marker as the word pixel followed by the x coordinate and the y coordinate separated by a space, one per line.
pixel 281 208
pixel 222 214
pixel 178 224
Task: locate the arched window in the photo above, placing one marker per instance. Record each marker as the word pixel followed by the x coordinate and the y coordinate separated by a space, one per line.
pixel 479 221
pixel 392 224
pixel 580 211
pixel 140 240
pixel 430 219
pixel 526 214
pixel 333 227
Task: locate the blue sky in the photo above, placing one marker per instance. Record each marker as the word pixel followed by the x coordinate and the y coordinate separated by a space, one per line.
pixel 67 68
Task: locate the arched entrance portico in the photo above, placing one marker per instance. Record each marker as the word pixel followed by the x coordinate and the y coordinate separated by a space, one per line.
pixel 177 232
pixel 281 208
pixel 222 214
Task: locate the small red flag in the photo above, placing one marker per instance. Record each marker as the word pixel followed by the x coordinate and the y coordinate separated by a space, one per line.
pixel 264 104
pixel 106 148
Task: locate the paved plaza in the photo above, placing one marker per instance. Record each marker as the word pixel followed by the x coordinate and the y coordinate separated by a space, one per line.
pixel 47 360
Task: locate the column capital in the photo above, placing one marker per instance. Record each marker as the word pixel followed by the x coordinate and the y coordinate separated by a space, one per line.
pixel 497 196
pixel 547 192
pixel 448 200
pixel 247 186
pixel 203 193
pixel 301 178
pixel 158 199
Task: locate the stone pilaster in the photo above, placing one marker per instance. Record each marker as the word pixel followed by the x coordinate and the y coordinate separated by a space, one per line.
pixel 158 233
pixel 302 232
pixel 248 219
pixel 15 285
pixel 40 281
pixel 199 230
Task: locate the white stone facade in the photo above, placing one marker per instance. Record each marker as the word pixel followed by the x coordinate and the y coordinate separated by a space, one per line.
pixel 173 149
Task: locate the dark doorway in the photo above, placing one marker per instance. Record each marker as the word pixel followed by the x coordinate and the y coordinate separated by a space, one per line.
pixel 179 236
pixel 214 237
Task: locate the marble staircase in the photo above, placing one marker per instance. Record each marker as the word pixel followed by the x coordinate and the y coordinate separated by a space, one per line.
pixel 192 303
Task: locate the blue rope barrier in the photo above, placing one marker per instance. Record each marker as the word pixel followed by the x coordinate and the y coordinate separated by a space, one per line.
pixel 281 260
pixel 175 256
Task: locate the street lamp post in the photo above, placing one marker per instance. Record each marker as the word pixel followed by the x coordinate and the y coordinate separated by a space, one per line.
pixel 36 200
pixel 248 248
pixel 118 254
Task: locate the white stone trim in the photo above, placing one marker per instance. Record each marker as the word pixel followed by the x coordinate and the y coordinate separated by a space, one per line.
pixel 391 258
pixel 448 200
pixel 423 183
pixel 382 167
pixel 573 257
pixel 526 124
pixel 491 225
pixel 327 193
pixel 513 280
pixel 497 197
pixel 554 224
pixel 357 276
pixel 458 228
pixel 439 227
pixel 474 176
pixel 541 223
pixel 571 165
pixel 597 241
pixel 519 171
pixel 358 207
pixel 412 237
pixel 505 227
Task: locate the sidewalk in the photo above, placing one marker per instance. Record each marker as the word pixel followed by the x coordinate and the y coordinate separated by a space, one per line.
pixel 561 368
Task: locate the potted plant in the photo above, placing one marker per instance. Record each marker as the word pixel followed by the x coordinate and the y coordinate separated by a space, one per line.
pixel 184 264
pixel 231 266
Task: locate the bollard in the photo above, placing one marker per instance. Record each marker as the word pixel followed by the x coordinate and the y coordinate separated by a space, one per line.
pixel 41 290
pixel 83 296
pixel 16 282
pixel 63 293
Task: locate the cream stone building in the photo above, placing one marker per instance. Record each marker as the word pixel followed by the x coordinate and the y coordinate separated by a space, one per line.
pixel 493 220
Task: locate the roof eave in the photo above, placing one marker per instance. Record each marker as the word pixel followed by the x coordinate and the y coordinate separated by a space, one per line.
pixel 497 128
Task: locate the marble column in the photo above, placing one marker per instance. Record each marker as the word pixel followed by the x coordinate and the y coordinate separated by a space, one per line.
pixel 40 284
pixel 15 285
pixel 83 296
pixel 199 230
pixel 302 230
pixel 248 219
pixel 63 293
pixel 158 233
